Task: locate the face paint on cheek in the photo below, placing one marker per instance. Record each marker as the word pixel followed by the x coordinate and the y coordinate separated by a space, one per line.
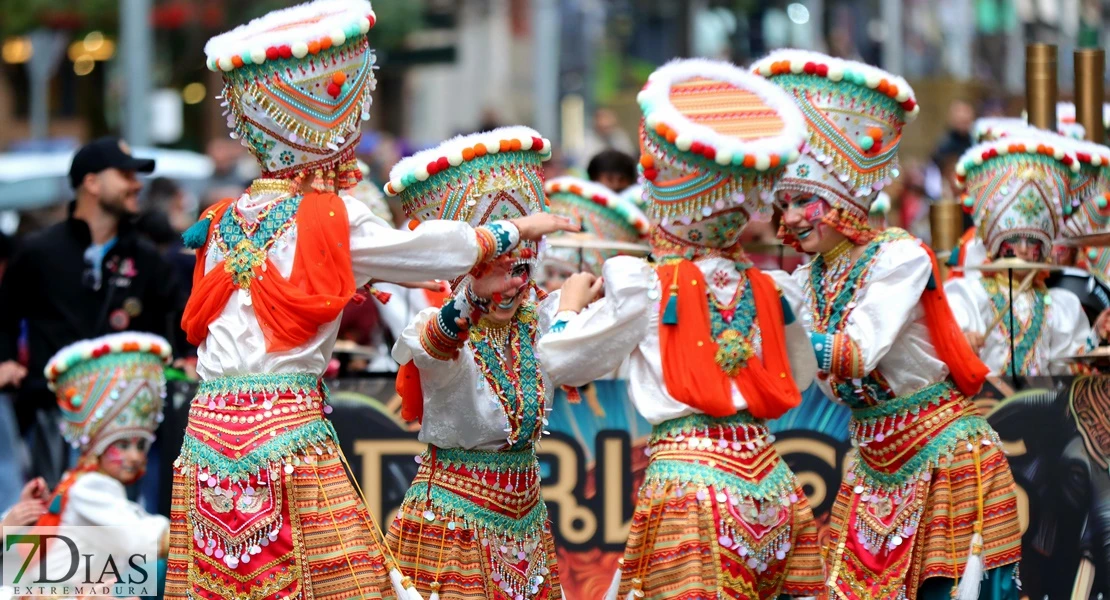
pixel 113 456
pixel 815 210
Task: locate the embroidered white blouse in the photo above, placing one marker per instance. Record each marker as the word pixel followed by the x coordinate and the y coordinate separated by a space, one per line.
pixel 98 499
pixel 235 344
pixel 886 320
pixel 461 410
pixel 625 324
pixel 1065 330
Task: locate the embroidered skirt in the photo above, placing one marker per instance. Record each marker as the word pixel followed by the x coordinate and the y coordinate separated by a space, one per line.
pixel 262 505
pixel 929 472
pixel 474 527
pixel 720 515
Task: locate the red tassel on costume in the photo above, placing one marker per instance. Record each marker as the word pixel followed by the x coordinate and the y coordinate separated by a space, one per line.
pixel 379 295
pixel 572 394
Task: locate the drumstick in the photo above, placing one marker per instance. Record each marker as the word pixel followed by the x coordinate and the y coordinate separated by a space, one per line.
pixel 1025 284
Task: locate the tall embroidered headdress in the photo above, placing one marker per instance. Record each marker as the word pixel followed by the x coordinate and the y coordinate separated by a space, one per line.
pixel 1065 115
pixel 109 388
pixel 1086 209
pixel 855 113
pixel 713 141
pixel 297 86
pixel 1017 186
pixel 477 178
pixel 601 213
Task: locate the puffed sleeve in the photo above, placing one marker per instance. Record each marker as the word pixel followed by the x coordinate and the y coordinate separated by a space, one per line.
pixel 434 250
pixel 97 499
pixel 970 304
pixel 803 364
pixel 435 373
pixel 596 341
pixel 883 309
pixel 1069 329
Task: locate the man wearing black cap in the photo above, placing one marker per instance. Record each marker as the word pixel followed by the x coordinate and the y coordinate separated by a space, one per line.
pixel 87 276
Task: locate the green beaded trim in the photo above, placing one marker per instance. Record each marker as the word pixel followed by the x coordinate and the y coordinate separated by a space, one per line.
pixel 269 383
pixel 1027 338
pixel 779 482
pixel 963 430
pixel 929 395
pixel 281 448
pixel 863 95
pixel 107 363
pixel 418 193
pixel 697 422
pixel 479 460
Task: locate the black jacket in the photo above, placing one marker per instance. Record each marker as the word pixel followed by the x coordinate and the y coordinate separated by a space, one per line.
pixel 46 285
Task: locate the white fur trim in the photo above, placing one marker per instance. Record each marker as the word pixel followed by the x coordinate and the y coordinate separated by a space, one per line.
pixel 418 163
pixel 999 127
pixel 1099 153
pixel 872 75
pixel 635 217
pixel 1061 146
pixel 655 104
pixel 271 29
pixel 83 349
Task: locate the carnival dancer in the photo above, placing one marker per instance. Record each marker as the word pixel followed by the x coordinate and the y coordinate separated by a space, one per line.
pixel 473 524
pixel 111 391
pixel 1016 189
pixel 603 216
pixel 929 498
pixel 714 349
pixel 262 503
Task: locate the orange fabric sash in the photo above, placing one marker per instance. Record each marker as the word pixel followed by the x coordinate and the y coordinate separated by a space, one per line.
pixel 412 395
pixel 968 372
pixel 289 311
pixel 688 350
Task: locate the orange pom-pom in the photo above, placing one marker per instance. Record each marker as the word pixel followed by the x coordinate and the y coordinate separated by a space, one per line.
pixel 514 145
pixel 505 147
pixel 468 154
pixel 479 149
pixel 325 43
pixel 339 78
pixel 875 133
pixel 575 189
pixel 314 47
pixel 237 61
pixel 413 224
pixel 775 160
pixel 661 129
pixel 749 161
pixel 671 136
pixel 646 161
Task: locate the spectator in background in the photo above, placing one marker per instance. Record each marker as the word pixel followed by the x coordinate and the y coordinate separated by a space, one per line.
pixel 87 276
pixel 613 169
pixel 607 134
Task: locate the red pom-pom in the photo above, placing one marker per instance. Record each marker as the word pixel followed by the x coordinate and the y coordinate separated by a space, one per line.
pixel 286 51
pixel 442 164
pixel 537 144
pixel 334 90
pixel 823 70
pixel 1067 160
pixel 272 53
pixel 810 68
pixel 373 19
pixel 598 199
pixel 650 174
pixel 527 253
pixel 710 152
pixel 908 105
pixel 433 168
pixel 1083 157
pixel 697 147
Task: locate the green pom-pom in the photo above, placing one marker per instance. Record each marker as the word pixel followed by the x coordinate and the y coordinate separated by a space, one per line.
pixel 670 313
pixel 196 236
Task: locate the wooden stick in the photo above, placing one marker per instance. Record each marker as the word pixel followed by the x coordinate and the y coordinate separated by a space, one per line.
pixel 1024 286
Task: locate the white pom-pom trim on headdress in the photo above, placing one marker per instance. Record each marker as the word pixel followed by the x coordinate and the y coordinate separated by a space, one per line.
pixel 290 33
pixel 1087 153
pixel 601 196
pixel 1065 113
pixel 789 61
pixel 461 149
pixel 692 137
pixel 1034 142
pixel 993 128
pixel 116 343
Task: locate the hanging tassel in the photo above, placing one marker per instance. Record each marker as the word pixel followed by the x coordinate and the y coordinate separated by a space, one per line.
pixel 196 236
pixel 972 579
pixel 973 572
pixel 411 593
pixel 435 591
pixel 380 296
pixel 572 394
pixel 398 581
pixel 637 591
pixel 670 313
pixel 615 587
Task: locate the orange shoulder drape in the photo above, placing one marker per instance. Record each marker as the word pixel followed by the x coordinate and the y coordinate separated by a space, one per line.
pixel 289 311
pixel 688 350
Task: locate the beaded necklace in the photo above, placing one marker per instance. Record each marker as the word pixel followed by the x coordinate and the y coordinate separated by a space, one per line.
pixel 832 287
pixel 1029 331
pixel 519 388
pixel 733 326
pixel 245 245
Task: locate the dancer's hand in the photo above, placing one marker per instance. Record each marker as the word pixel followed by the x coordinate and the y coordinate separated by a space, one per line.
pixel 11 374
pixel 579 290
pixel 975 340
pixel 535 226
pixel 1102 325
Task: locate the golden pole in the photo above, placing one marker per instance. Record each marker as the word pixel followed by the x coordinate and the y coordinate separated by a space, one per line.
pixel 946 224
pixel 1040 85
pixel 1090 67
